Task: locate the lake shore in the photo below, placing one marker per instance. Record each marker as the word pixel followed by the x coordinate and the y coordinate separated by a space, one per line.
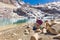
pixel 10 26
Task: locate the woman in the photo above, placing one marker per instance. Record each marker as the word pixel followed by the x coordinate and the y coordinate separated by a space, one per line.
pixel 37 27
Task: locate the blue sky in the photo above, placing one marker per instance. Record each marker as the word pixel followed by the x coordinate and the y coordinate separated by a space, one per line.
pixel 33 2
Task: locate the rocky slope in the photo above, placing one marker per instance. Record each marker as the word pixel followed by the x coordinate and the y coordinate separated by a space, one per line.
pixel 7 16
pixel 45 12
pixel 50 8
pixel 8 1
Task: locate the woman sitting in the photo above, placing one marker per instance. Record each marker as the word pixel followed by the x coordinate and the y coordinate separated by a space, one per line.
pixel 37 27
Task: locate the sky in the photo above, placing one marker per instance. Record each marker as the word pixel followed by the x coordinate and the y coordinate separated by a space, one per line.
pixel 33 2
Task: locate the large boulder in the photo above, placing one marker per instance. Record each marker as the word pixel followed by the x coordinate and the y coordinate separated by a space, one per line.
pixel 35 37
pixel 55 29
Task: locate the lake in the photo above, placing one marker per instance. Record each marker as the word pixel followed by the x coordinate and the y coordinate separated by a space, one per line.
pixel 5 21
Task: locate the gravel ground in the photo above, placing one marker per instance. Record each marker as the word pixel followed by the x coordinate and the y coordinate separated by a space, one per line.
pixel 17 33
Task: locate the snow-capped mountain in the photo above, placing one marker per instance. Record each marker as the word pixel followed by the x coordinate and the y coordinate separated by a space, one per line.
pixel 51 9
pixel 45 11
pixel 38 10
pixel 35 10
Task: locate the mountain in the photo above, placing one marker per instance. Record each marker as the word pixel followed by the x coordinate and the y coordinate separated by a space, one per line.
pixel 47 11
pixel 50 9
pixel 7 16
pixel 19 9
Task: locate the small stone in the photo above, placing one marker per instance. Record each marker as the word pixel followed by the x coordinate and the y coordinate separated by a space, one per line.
pixel 58 35
pixel 19 39
pixel 26 32
pixel 40 39
pixel 14 33
pixel 32 38
pixel 0 33
pixel 5 39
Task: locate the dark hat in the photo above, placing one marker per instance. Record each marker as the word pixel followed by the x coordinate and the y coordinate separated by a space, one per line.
pixel 39 22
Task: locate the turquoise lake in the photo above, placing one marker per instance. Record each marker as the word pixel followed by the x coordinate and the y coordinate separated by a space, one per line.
pixel 4 21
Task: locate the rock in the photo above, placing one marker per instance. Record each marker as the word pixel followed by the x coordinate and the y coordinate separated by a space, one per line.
pixel 40 39
pixel 26 32
pixel 19 39
pixel 58 37
pixel 35 37
pixel 32 38
pixel 44 30
pixel 52 31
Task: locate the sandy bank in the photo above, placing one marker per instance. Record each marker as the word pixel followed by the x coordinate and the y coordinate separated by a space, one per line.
pixel 11 26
